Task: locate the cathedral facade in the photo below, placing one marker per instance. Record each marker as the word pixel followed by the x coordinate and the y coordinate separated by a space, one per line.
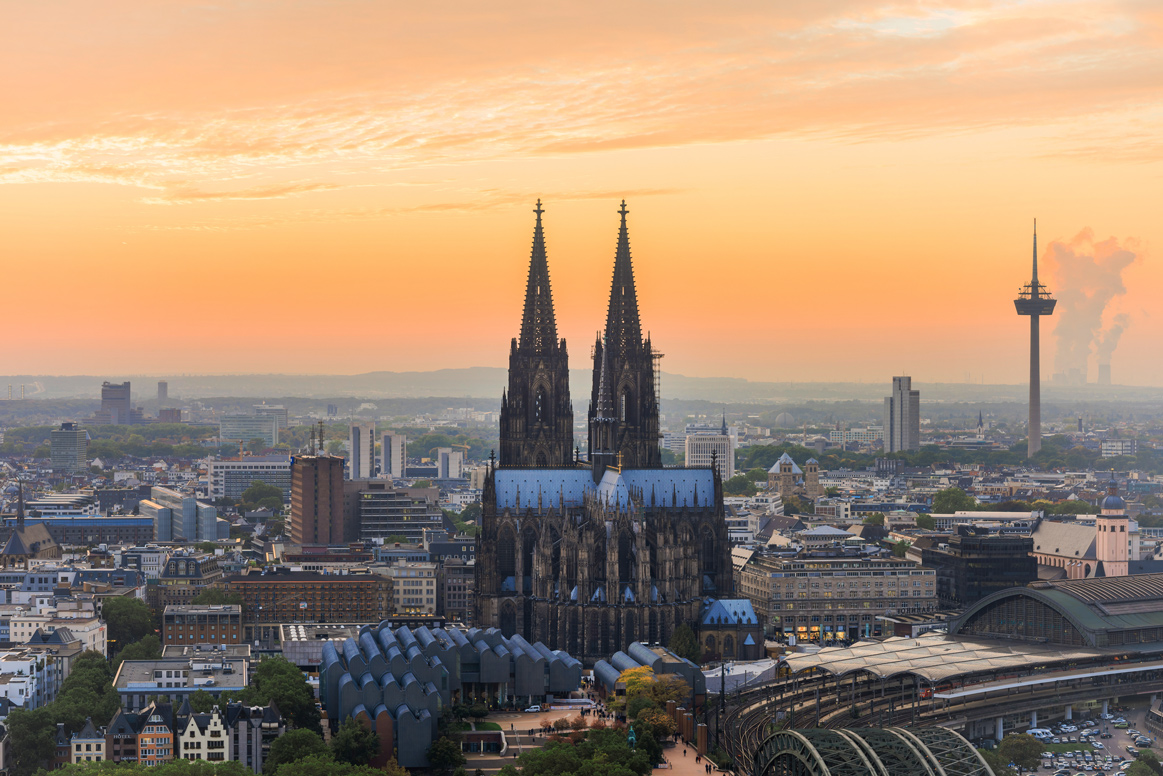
pixel 591 555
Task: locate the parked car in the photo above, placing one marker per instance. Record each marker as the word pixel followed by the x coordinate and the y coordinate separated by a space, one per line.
pixel 533 710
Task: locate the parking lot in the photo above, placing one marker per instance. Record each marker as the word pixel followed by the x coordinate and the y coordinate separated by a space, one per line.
pixel 1097 746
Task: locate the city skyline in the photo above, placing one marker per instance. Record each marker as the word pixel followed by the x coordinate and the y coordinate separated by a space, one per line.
pixel 854 211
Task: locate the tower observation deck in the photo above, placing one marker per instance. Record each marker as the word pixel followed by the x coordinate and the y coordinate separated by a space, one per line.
pixel 1034 300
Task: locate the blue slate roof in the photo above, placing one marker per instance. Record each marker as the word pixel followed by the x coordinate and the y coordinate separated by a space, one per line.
pixel 785 458
pixel 729 611
pixel 670 487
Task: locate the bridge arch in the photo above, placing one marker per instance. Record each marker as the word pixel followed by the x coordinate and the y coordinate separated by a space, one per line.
pixel 869 751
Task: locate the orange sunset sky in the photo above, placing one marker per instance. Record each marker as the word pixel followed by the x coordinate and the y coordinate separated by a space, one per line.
pixel 818 189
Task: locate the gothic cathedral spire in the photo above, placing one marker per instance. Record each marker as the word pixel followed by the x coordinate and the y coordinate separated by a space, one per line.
pixel 538 324
pixel 537 416
pixel 623 417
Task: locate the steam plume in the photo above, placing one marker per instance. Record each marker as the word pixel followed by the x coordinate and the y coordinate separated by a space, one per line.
pixel 1088 275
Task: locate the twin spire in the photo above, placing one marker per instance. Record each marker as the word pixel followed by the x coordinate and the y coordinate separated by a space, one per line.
pixel 539 323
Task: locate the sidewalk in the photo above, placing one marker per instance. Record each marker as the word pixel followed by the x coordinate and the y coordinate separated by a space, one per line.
pixel 684 766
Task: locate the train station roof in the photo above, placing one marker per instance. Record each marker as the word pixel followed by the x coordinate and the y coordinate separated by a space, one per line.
pixel 935 657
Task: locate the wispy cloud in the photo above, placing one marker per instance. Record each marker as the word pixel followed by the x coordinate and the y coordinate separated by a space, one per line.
pixel 186 195
pixel 664 77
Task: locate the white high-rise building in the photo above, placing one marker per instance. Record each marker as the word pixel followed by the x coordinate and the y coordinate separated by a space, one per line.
pixel 449 464
pixel 393 456
pixel 361 451
pixel 703 449
pixel 902 417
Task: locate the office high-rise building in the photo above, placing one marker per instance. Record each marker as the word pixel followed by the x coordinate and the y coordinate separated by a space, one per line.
pixel 449 464
pixel 169 415
pixel 706 449
pixel 248 427
pixel 317 501
pixel 69 448
pixel 163 392
pixel 393 455
pixel 276 411
pixel 902 417
pixel 361 451
pixel 115 407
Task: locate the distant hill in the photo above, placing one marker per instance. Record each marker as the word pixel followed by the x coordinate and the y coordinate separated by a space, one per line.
pixel 488 382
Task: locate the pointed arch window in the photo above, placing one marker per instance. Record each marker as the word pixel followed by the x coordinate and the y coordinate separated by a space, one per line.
pixel 622 406
pixel 539 406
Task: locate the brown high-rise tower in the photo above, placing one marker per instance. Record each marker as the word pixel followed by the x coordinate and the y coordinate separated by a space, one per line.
pixel 317 501
pixel 1035 301
pixel 536 413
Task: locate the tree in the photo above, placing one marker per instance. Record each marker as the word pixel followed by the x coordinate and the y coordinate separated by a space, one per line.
pixel 354 743
pixel 998 764
pixel 317 765
pixel 794 505
pixel 951 500
pixel 260 495
pixel 175 768
pixel 900 548
pixel 256 446
pixel 831 491
pixel 445 754
pixel 147 648
pixel 1146 764
pixel 927 522
pixel 201 701
pixel 660 722
pixel 207 547
pixel 128 619
pixel 1022 750
pixel 876 518
pixel 36 733
pixel 292 746
pixel 279 680
pixel 739 485
pixel 216 596
pixel 685 644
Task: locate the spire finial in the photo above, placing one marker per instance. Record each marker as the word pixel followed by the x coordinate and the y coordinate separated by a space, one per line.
pixel 623 210
pixel 538 210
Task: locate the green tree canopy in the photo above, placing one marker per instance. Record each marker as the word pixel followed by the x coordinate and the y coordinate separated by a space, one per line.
pixel 685 644
pixel 174 768
pixel 876 518
pixel 739 485
pixel 952 500
pixel 261 496
pixel 35 730
pixel 354 744
pixel 927 522
pixel 279 680
pixel 601 753
pixel 149 647
pixel 129 620
pixel 201 701
pixel 216 596
pixel 445 754
pixel 292 746
pixel 318 765
pixel 1022 750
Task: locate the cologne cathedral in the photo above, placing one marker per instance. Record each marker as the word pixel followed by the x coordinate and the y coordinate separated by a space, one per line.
pixel 590 554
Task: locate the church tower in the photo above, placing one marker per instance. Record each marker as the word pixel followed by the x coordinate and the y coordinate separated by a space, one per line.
pixel 536 413
pixel 1111 541
pixel 623 414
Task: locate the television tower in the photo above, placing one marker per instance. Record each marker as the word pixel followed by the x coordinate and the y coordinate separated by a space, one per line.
pixel 1035 301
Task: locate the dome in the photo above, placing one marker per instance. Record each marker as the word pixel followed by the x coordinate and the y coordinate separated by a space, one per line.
pixel 1113 501
pixel 785 420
